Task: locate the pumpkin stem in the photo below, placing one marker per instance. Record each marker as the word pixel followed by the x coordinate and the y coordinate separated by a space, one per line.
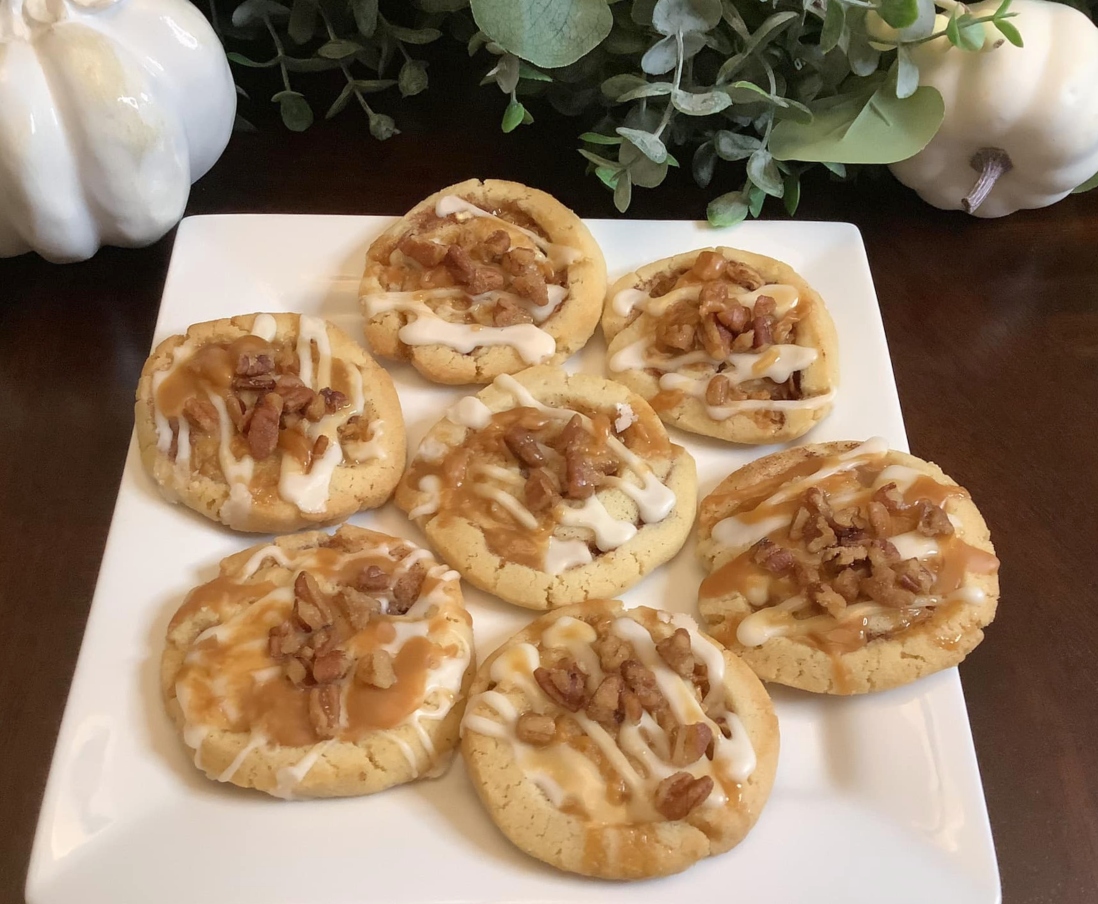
pixel 990 163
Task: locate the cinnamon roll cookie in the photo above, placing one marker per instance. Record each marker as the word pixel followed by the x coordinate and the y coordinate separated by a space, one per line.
pixel 269 422
pixel 321 666
pixel 622 744
pixel 482 279
pixel 546 488
pixel 843 568
pixel 724 343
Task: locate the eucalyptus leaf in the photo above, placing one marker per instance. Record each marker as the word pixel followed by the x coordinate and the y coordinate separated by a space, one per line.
pixel 625 43
pixel 763 172
pixel 506 72
pixel 413 35
pixel 907 73
pixel 365 15
pixel 252 11
pixel 441 6
pixel 623 192
pixel 792 196
pixel 372 85
pixel 643 171
pixel 617 85
pixel 703 104
pixel 528 72
pixel 648 89
pixel 241 60
pixel 302 22
pixel 768 31
pixel 598 160
pixel 1092 182
pixel 513 116
pixel 1009 32
pixel 596 138
pixel 880 128
pixel 839 169
pixel 645 142
pixel 735 145
pixel 309 64
pixel 337 50
pixel 674 16
pixel 704 164
pixel 240 124
pixel 382 127
pixel 412 78
pixel 641 12
pixel 663 56
pixel 727 210
pixel 296 113
pixel 833 25
pixel 899 13
pixel 546 33
pixel 756 197
pixel 608 175
pixel 341 101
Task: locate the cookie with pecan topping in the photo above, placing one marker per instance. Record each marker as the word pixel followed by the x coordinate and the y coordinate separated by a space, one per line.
pixel 622 744
pixel 269 422
pixel 481 279
pixel 548 487
pixel 321 666
pixel 844 568
pixel 724 343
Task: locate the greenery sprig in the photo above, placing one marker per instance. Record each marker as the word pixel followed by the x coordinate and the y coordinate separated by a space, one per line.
pixel 777 85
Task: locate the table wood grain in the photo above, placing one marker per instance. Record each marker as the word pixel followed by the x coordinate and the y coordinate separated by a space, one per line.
pixel 993 327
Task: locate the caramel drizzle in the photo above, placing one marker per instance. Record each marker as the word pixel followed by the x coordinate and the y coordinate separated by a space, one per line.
pixel 230 682
pixel 770 506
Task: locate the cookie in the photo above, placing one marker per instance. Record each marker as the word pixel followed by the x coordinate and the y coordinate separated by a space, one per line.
pixel 546 488
pixel 724 343
pixel 269 423
pixel 622 744
pixel 482 279
pixel 843 568
pixel 321 666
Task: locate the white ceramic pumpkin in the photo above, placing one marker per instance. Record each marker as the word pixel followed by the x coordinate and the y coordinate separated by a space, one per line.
pixel 109 110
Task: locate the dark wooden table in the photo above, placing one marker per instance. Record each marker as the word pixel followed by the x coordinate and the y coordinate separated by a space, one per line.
pixel 993 327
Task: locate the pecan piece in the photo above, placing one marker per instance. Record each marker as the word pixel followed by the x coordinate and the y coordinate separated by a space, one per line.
pixel 284 640
pixel 933 521
pixel 891 498
pixel 202 415
pixel 426 254
pixel 879 519
pixel 612 651
pixel 358 607
pixel 535 728
pixel 523 445
pixel 519 261
pixel 507 313
pixel 315 408
pixel 324 710
pixel 680 793
pixel 497 243
pixel 913 575
pixel 565 685
pixel 774 558
pixel 847 583
pixel 675 650
pixel 743 275
pixel 640 680
pixel 297 672
pixel 713 298
pixel 540 491
pixel 605 702
pixel 689 743
pixel 762 327
pixel 532 286
pixel 406 589
pixel 310 607
pixel 262 432
pixel 881 587
pixel 716 338
pixel 376 670
pixel 372 578
pixel 708 265
pixel 735 317
pixel 828 599
pixel 252 364
pixel 333 399
pixel 676 328
pixel 330 667
pixel 486 279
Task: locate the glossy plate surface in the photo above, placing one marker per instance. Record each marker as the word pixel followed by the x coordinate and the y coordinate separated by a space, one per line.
pixel 877 798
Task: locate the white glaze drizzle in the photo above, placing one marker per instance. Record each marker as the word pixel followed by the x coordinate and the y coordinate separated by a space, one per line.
pixel 561 555
pixel 265 327
pixel 626 301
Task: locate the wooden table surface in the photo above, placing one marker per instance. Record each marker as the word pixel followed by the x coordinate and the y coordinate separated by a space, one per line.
pixel 993 327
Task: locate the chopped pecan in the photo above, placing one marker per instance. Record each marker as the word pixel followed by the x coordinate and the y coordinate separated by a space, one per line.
pixel 879 519
pixel 762 328
pixel 310 607
pixel 406 589
pixel 913 575
pixel 252 364
pixel 460 264
pixel 662 283
pixel 891 498
pixel 507 313
pixel 284 640
pixel 631 707
pixel 612 651
pixel 524 446
pixel 689 743
pixel 486 279
pixel 675 650
pixel 519 261
pixel 316 407
pixel 296 396
pixel 933 521
pixel 376 670
pixel 828 599
pixel 716 338
pixel 202 414
pixel 262 432
pixel 735 317
pixel 816 500
pixel 333 399
pixel 820 534
pixel 324 710
pixel 847 583
pixel 330 667
pixel 535 728
pixel 531 285
pixel 297 672
pixel 765 306
pixel 359 607
pixel 717 391
pixel 258 383
pixel 882 553
pixel 640 680
pixel 676 328
pixel 841 556
pixel 680 793
pixel 604 703
pixel 372 578
pixel 745 341
pixel 426 254
pixel 564 685
pixel 774 558
pixel 238 412
pixel 708 265
pixel 796 529
pixel 713 298
pixel 743 275
pixel 540 491
pixel 581 476
pixel 497 243
pixel 881 587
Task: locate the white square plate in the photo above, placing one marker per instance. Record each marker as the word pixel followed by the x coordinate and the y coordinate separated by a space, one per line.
pixel 877 798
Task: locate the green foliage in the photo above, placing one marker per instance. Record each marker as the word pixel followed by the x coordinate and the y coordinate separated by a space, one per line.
pixel 765 90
